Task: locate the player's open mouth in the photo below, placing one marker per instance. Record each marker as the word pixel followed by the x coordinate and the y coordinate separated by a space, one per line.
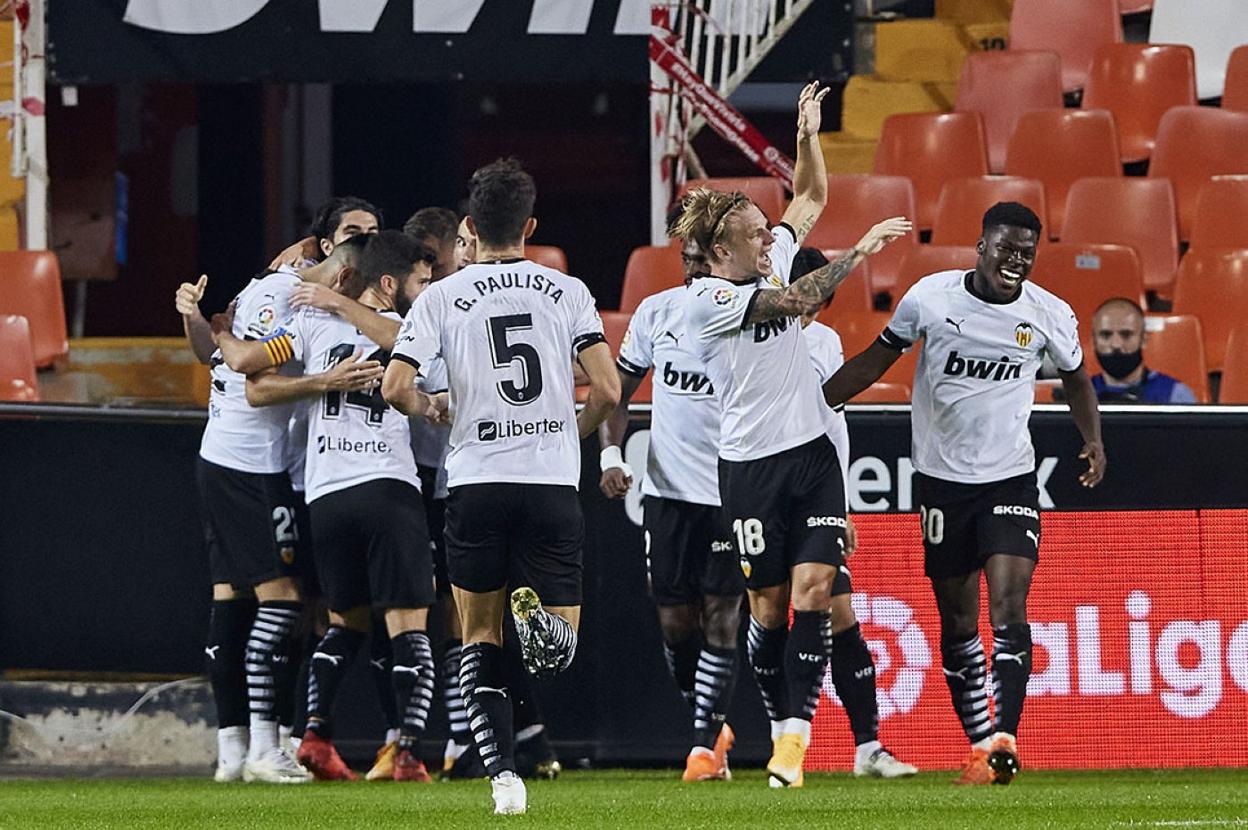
pixel 1009 277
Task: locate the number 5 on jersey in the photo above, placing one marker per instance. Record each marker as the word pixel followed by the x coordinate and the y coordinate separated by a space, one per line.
pixel 506 354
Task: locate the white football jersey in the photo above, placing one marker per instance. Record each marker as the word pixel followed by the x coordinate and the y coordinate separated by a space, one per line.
pixel 769 399
pixel 238 435
pixel 976 376
pixel 353 437
pixel 684 424
pixel 432 442
pixel 508 332
pixel 827 355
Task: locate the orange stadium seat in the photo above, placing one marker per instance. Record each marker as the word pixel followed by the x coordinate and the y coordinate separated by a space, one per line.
pixel 1059 147
pixel 1087 275
pixel 548 255
pixel 854 294
pixel 858 330
pixel 1213 285
pixel 1001 86
pixel 1174 346
pixel 1130 211
pixel 1234 387
pixel 650 269
pixel 922 260
pixel 1235 91
pixel 929 148
pixel 614 324
pixel 855 203
pixel 1072 28
pixel 17 360
pixel 30 285
pixel 963 202
pixel 765 191
pixel 1194 144
pixel 1221 219
pixel 1138 82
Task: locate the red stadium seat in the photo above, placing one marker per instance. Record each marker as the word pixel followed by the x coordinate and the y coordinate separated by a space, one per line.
pixel 765 191
pixel 929 148
pixel 1072 28
pixel 1235 92
pixel 650 269
pixel 1213 285
pixel 858 330
pixel 1130 211
pixel 1194 144
pixel 1001 86
pixel 1087 275
pixel 1059 147
pixel 614 324
pixel 1234 387
pixel 1221 219
pixel 1138 82
pixel 547 255
pixel 17 360
pixel 30 285
pixel 855 293
pixel 963 202
pixel 922 260
pixel 855 203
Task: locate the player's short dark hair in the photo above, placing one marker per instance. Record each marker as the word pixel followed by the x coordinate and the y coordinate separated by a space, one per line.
pixel 329 215
pixel 1011 214
pixel 805 261
pixel 673 217
pixel 390 252
pixel 437 223
pixel 500 201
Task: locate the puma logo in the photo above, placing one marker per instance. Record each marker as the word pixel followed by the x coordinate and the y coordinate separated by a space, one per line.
pixel 1031 534
pixel 334 659
pixel 211 651
pixel 1005 655
pixel 675 339
pixel 957 324
pixel 960 674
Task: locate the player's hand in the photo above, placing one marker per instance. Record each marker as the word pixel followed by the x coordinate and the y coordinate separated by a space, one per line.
pixel 188 295
pixel 616 482
pixel 810 110
pixel 439 411
pixel 883 233
pixel 1095 454
pixel 354 375
pixel 294 256
pixel 223 321
pixel 316 295
pixel 851 537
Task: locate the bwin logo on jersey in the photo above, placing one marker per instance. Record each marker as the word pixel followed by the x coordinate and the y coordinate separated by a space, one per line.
pixel 693 383
pixel 770 328
pixel 1003 369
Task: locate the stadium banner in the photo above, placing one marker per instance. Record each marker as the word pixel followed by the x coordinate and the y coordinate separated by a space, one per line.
pixel 215 41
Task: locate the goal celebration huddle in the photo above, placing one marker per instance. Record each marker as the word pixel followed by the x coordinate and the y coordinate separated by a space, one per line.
pixel 394 439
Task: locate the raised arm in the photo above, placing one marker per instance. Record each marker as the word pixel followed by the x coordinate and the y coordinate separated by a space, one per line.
pixel 604 387
pixel 617 476
pixel 250 356
pixel 810 175
pixel 377 328
pixel 808 294
pixel 197 329
pixel 267 387
pixel 1082 400
pixel 859 372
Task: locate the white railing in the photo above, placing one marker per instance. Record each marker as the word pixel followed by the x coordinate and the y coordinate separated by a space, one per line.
pixel 724 40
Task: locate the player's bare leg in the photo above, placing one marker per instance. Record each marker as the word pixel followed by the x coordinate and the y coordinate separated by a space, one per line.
pixel 1009 580
pixel 414 680
pixel 272 661
pixel 853 675
pixel 232 615
pixel 484 688
pixel 966 669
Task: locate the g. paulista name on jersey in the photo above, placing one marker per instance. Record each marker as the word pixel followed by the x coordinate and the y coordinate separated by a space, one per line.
pixel 498 282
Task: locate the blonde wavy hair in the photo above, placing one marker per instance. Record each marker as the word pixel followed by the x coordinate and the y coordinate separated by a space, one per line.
pixel 704 216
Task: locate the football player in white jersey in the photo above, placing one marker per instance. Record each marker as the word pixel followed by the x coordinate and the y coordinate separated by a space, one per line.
pixel 853 667
pixel 249 510
pixel 694 575
pixel 779 478
pixel 506 328
pixel 985 333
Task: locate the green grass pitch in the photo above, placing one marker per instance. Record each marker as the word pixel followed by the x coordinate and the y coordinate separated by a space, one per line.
pixel 649 798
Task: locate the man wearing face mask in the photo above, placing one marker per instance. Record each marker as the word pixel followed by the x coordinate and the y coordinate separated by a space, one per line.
pixel 1118 327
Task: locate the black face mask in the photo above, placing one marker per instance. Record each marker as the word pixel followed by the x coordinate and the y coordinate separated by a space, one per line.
pixel 1120 364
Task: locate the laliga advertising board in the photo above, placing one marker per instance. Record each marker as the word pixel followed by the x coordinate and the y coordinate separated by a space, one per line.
pixel 1138 610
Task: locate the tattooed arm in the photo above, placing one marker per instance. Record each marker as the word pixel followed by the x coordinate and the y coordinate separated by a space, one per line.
pixel 810 176
pixel 808 294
